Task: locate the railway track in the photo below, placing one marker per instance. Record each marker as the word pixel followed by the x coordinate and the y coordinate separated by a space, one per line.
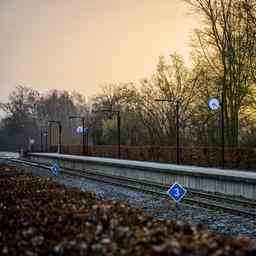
pixel 237 206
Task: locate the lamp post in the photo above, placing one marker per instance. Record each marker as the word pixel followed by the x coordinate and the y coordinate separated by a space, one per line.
pixel 119 133
pixel 118 127
pixel 83 124
pixel 42 134
pixel 60 131
pixel 222 131
pixel 177 127
pixel 46 140
pixel 50 136
pixel 41 140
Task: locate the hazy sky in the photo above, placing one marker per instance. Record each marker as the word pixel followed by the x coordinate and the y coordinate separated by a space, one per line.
pixel 79 44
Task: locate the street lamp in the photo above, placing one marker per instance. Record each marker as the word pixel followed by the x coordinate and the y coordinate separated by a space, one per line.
pixel 45 134
pixel 83 124
pixel 222 131
pixel 118 127
pixel 177 128
pixel 41 139
pixel 60 130
pixel 50 136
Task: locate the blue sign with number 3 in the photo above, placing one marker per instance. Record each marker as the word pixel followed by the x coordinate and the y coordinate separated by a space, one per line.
pixel 55 169
pixel 176 192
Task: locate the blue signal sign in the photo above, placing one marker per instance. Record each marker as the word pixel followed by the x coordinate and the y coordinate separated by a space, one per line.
pixel 214 104
pixel 176 192
pixel 81 130
pixel 55 169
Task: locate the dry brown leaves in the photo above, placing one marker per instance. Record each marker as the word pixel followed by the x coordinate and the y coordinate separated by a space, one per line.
pixel 40 217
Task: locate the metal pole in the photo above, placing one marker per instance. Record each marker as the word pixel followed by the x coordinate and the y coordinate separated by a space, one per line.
pixel 42 140
pixel 83 121
pixel 222 131
pixel 87 142
pixel 177 134
pixel 46 141
pixel 60 130
pixel 50 137
pixel 87 134
pixel 119 134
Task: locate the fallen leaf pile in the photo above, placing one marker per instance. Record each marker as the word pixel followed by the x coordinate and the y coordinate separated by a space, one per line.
pixel 41 217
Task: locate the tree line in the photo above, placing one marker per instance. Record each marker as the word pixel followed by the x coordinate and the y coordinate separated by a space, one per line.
pixel 222 65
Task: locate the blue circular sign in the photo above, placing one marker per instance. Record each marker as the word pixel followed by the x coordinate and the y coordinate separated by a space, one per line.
pixel 214 104
pixel 80 129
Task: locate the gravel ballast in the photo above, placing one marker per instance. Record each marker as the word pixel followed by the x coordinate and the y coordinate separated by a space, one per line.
pixel 222 222
pixel 41 217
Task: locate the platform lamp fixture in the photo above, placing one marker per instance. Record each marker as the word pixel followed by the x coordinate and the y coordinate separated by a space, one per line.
pixel 60 131
pixel 83 125
pixel 177 127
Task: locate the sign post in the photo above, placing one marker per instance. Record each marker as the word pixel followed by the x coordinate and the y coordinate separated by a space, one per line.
pixel 214 104
pixel 176 192
pixel 84 131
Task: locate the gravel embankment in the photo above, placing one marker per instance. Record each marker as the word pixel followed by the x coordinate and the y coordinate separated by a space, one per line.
pixel 41 217
pixel 219 221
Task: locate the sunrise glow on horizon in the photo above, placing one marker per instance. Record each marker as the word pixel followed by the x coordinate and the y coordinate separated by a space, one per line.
pixel 79 45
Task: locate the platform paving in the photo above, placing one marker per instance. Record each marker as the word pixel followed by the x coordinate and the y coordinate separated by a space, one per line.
pixel 229 182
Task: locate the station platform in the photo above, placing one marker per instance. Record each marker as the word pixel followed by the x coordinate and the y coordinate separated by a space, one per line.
pixel 224 181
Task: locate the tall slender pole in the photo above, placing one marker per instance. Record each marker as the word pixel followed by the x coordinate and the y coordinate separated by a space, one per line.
pixel 222 131
pixel 83 121
pixel 42 139
pixel 87 142
pixel 87 134
pixel 119 134
pixel 50 137
pixel 60 131
pixel 46 141
pixel 177 133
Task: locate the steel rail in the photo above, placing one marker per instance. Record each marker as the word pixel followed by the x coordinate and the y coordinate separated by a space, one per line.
pixel 161 189
pixel 191 192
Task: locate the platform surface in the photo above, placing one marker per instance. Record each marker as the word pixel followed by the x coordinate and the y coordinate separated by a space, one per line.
pixel 8 154
pixel 155 166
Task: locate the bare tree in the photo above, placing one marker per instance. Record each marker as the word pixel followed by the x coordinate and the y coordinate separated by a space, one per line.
pixel 174 82
pixel 228 34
